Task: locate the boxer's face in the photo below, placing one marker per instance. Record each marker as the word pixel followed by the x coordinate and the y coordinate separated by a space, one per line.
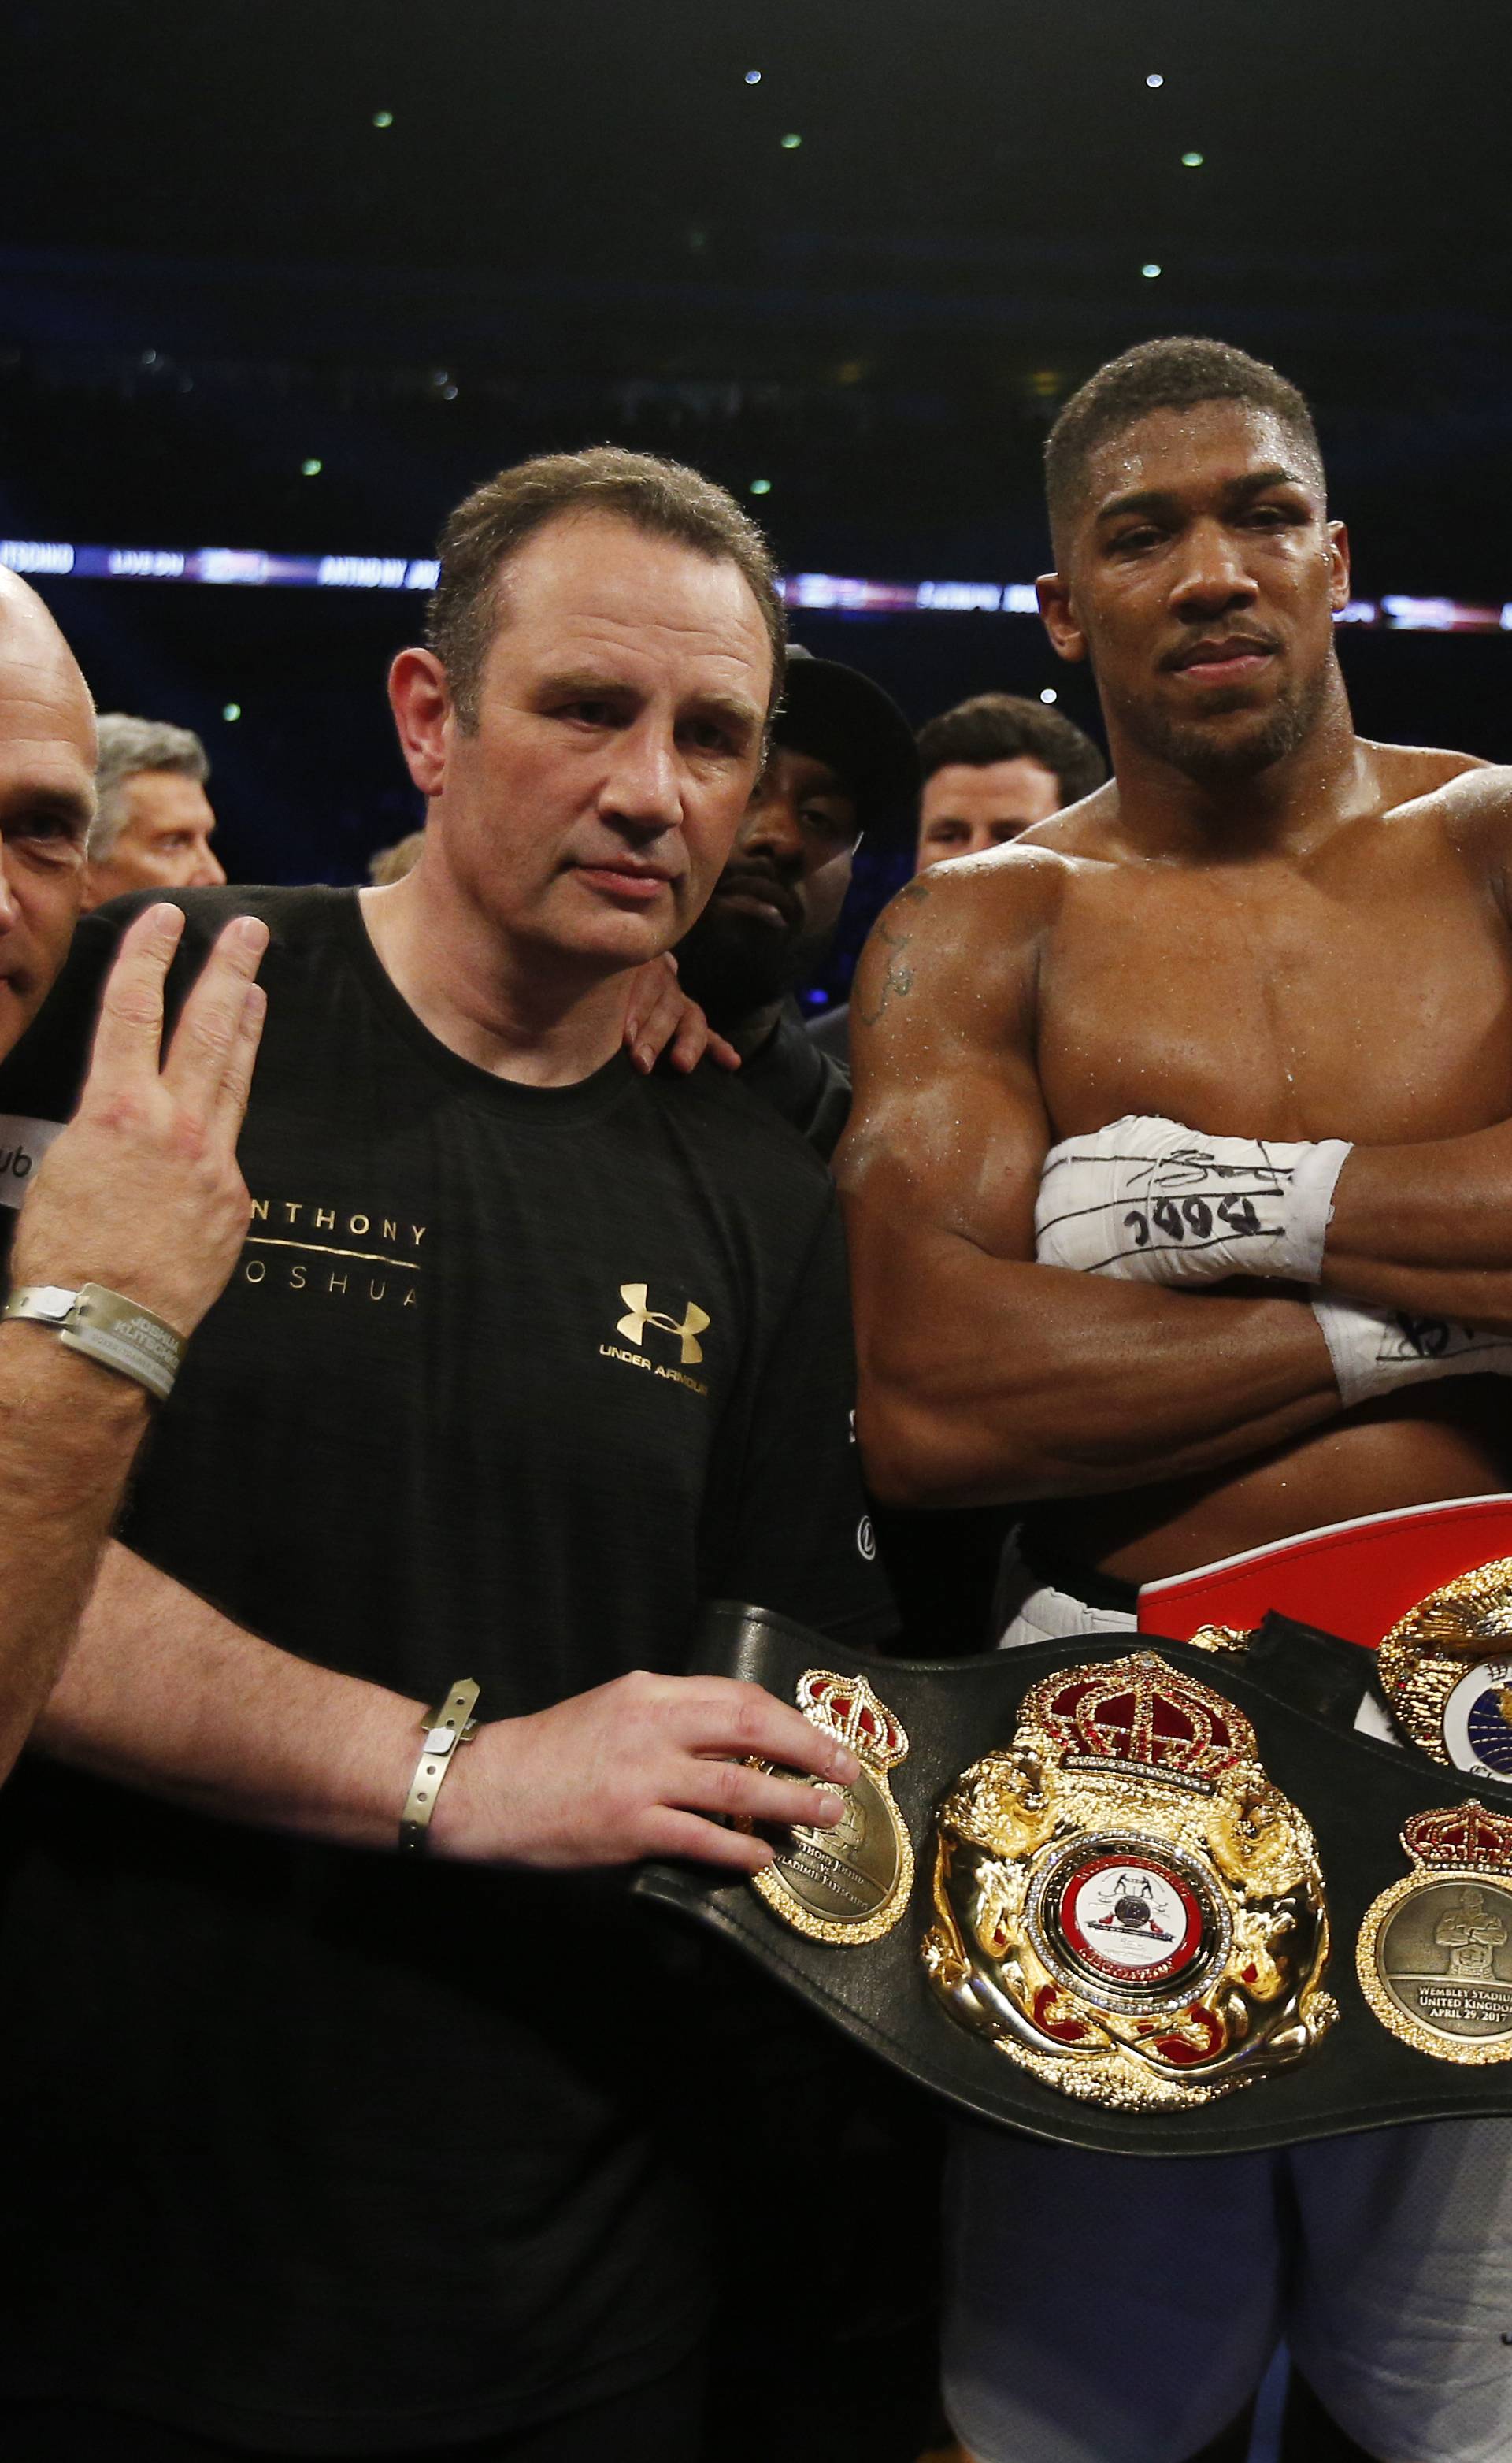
pixel 618 735
pixel 1199 575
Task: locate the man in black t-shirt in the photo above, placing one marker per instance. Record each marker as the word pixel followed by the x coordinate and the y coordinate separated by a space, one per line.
pixel 316 2151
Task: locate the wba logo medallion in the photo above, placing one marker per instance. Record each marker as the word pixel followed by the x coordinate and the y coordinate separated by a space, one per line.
pixel 850 1883
pixel 1125 1904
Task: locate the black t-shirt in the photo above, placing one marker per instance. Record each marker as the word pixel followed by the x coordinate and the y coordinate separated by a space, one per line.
pixel 831 1032
pixel 801 1082
pixel 305 2147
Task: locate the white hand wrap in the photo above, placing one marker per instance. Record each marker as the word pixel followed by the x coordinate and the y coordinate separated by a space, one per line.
pixel 1375 1350
pixel 1150 1201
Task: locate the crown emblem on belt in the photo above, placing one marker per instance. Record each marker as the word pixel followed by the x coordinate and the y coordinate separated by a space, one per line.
pixel 849 1709
pixel 1464 1837
pixel 1143 1714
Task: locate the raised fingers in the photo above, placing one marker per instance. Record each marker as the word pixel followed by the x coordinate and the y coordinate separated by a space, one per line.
pixel 207 1037
pixel 128 1039
pixel 230 1103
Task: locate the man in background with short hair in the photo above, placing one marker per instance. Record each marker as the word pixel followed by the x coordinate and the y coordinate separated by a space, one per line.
pixel 991 767
pixel 154 821
pixel 994 765
pixel 392 863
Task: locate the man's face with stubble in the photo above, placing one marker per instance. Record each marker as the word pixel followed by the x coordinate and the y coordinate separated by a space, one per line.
pixel 1200 574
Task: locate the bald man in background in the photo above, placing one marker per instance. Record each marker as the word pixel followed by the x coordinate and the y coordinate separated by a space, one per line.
pixel 139 1195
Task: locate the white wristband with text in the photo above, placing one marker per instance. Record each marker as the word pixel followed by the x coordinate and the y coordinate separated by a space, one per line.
pixel 1374 1351
pixel 1148 1200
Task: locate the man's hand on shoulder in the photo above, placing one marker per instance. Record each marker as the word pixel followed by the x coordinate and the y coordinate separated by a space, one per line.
pixel 662 1018
pixel 141 1191
pixel 644 1766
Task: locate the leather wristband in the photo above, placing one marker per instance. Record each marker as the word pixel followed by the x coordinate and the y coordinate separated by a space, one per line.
pixel 116 1332
pixel 449 1725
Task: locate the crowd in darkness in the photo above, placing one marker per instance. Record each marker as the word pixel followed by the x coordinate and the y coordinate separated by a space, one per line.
pixel 425 1299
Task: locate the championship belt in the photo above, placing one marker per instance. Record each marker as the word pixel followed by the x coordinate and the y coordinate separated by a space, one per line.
pixel 1124 1902
pixel 1109 1896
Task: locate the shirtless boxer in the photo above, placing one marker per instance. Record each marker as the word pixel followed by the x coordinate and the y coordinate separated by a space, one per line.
pixel 1262 927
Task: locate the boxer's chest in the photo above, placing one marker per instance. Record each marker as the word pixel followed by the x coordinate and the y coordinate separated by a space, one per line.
pixel 1369 997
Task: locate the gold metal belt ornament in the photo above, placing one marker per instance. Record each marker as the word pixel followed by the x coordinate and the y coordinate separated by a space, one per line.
pixel 1434 1952
pixel 850 1883
pixel 1125 1904
pixel 1446 1669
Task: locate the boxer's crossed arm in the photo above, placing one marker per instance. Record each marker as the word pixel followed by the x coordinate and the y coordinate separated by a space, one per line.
pixel 983 1377
pixel 1150 1200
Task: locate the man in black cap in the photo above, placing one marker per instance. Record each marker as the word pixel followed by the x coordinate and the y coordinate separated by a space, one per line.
pixel 842 757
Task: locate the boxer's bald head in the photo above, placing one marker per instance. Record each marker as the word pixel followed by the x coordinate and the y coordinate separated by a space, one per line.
pixel 46 801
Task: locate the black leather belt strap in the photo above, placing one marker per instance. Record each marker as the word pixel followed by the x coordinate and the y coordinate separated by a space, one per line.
pixel 1300 1690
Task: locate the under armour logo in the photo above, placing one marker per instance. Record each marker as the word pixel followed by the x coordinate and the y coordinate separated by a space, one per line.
pixel 640 1317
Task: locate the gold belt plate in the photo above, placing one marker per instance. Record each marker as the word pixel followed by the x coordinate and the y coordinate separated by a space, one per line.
pixel 850 1883
pixel 1434 1951
pixel 1446 1669
pixel 1125 1904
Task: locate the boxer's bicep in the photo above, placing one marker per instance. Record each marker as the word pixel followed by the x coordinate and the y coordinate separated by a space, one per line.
pixel 948 1130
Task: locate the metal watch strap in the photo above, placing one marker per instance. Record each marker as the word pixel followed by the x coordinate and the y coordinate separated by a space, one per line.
pixel 449 1725
pixel 108 1328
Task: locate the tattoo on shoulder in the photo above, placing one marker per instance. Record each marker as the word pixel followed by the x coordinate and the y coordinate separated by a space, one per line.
pixel 898 977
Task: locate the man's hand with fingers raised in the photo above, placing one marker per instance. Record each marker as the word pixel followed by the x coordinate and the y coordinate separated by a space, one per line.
pixel 142 1192
pixel 645 1766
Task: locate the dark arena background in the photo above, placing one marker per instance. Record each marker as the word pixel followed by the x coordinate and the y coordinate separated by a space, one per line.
pixel 282 280
pixel 288 279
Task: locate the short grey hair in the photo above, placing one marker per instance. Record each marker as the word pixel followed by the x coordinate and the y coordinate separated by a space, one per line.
pixel 127 747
